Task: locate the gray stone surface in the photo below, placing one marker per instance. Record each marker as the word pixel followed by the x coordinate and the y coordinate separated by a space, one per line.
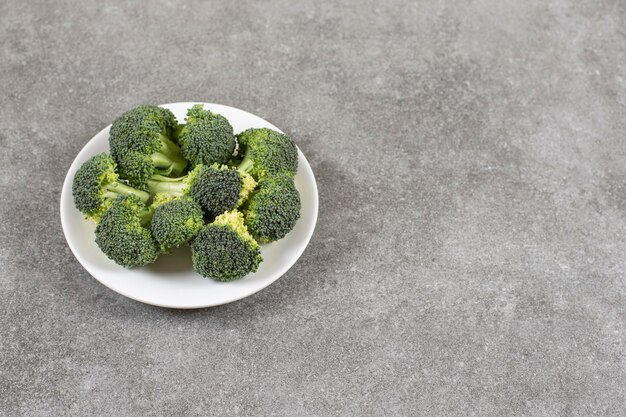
pixel 469 257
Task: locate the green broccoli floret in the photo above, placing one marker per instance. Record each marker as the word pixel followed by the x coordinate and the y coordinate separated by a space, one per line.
pixel 266 152
pixel 216 188
pixel 224 250
pixel 273 209
pixel 175 221
pixel 123 235
pixel 96 184
pixel 141 144
pixel 206 138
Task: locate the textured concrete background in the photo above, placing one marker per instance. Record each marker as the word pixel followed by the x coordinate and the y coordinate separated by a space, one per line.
pixel 469 257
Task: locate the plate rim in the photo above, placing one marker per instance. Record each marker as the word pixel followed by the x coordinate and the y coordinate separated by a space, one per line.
pixel 66 187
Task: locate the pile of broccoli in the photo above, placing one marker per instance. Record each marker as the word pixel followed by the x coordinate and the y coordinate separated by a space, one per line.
pixel 164 185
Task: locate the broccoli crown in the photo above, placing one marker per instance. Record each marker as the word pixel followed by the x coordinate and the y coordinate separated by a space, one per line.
pixel 141 129
pixel 137 168
pixel 140 142
pixel 224 250
pixel 96 184
pixel 122 235
pixel 175 221
pixel 221 188
pixel 267 152
pixel 217 189
pixel 206 138
pixel 273 209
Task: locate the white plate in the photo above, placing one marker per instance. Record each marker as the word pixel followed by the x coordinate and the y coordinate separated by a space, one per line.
pixel 171 280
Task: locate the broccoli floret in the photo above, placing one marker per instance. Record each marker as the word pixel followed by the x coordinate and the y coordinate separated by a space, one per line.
pixel 206 138
pixel 123 235
pixel 224 250
pixel 221 188
pixel 141 144
pixel 266 152
pixel 96 184
pixel 216 188
pixel 175 221
pixel 273 209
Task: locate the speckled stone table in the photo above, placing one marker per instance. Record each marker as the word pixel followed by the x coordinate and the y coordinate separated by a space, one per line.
pixel 470 253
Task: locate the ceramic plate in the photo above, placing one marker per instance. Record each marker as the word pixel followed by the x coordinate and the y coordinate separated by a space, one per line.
pixel 171 280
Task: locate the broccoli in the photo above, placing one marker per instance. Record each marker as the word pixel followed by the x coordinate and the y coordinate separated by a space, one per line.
pixel 175 221
pixel 141 144
pixel 273 209
pixel 207 137
pixel 122 234
pixel 266 152
pixel 216 188
pixel 96 184
pixel 224 250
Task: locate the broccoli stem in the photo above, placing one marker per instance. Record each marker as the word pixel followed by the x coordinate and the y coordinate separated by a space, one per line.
pixel 163 171
pixel 169 157
pixel 160 160
pixel 178 130
pixel 146 216
pixel 161 178
pixel 246 165
pixel 173 187
pixel 117 188
pixel 168 146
